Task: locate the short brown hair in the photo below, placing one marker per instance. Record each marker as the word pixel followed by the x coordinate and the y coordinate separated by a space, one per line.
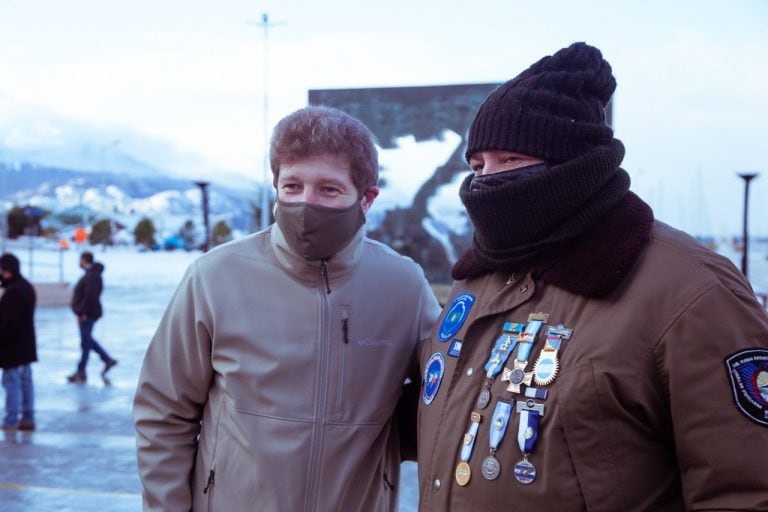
pixel 87 256
pixel 320 130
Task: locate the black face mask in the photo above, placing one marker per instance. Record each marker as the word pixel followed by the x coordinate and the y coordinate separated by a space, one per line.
pixel 317 232
pixel 500 178
pixel 520 213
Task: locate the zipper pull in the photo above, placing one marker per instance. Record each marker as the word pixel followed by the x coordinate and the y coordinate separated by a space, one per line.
pixel 345 329
pixel 324 274
pixel 210 482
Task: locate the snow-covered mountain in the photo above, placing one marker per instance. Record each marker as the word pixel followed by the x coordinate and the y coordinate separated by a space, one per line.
pixel 125 198
pixel 67 166
pixel 85 173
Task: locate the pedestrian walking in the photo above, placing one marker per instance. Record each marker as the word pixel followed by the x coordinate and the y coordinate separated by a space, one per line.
pixel 86 304
pixel 18 346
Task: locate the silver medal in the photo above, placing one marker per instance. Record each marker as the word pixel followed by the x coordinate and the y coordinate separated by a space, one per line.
pixel 525 472
pixel 491 468
pixel 483 398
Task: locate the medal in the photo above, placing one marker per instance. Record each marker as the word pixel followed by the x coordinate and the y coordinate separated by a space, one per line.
pixel 525 472
pixel 503 347
pixel 491 468
pixel 517 375
pixel 463 472
pixel 483 398
pixel 547 365
pixel 498 428
pixel 527 434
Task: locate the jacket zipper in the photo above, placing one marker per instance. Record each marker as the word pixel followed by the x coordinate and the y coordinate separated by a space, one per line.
pixel 212 472
pixel 321 390
pixel 210 481
pixel 324 274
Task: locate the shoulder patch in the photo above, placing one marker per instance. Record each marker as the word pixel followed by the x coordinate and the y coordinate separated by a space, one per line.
pixel 454 317
pixel 433 374
pixel 748 371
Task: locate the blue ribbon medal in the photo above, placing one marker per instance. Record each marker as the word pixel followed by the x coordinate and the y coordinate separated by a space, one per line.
pixel 498 428
pixel 503 347
pixel 463 471
pixel 527 434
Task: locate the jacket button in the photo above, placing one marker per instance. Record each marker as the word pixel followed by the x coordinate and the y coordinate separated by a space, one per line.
pixel 470 371
pixel 437 484
pixel 523 289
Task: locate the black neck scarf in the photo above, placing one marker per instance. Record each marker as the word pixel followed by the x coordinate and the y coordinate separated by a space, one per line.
pixel 517 220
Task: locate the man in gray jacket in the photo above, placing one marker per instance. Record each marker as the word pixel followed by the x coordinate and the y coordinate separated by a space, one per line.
pixel 273 378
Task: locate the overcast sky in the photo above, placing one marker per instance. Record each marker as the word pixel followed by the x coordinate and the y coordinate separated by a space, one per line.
pixel 691 103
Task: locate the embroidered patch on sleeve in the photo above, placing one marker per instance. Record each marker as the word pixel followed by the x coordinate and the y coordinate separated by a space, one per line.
pixel 748 371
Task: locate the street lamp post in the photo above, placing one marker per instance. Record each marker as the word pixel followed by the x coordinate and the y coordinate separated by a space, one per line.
pixel 747 177
pixel 265 206
pixel 204 192
pixel 3 212
pixel 112 226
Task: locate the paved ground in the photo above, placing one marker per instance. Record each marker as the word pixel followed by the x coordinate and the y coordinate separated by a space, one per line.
pixel 82 455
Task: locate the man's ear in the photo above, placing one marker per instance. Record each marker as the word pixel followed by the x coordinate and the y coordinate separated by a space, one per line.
pixel 368 197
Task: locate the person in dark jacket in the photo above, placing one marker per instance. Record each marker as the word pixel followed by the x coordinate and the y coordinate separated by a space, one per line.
pixel 86 304
pixel 17 345
pixel 590 356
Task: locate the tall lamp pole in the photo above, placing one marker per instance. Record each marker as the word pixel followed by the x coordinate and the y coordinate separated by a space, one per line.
pixel 206 228
pixel 112 226
pixel 265 206
pixel 747 177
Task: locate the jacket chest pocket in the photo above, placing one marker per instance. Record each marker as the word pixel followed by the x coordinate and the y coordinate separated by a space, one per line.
pixel 341 342
pixel 365 370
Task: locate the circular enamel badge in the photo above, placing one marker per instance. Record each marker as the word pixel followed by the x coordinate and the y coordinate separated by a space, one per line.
pixel 455 316
pixel 433 374
pixel 545 369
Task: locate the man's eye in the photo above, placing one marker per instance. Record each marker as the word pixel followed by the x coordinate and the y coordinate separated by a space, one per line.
pixel 331 190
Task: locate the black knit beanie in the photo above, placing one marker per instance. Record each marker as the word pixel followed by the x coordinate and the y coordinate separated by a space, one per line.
pixel 554 110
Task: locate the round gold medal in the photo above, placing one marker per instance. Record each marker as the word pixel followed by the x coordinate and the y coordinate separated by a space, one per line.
pixel 463 473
